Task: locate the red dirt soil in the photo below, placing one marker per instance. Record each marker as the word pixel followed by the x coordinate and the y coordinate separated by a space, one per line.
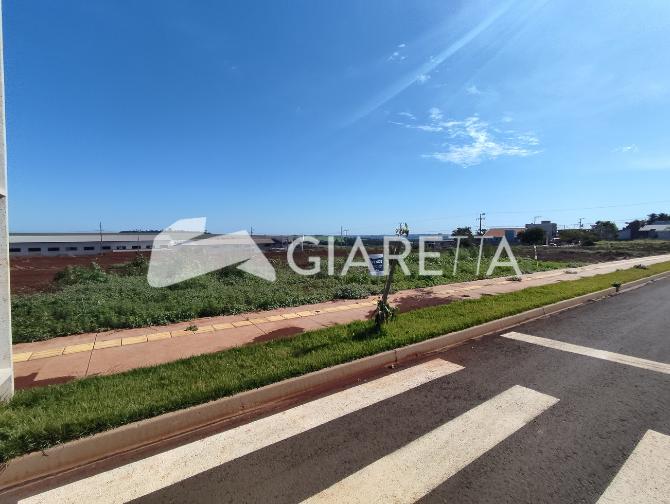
pixel 36 274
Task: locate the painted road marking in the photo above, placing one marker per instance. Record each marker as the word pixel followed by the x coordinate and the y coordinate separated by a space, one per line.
pixel 645 476
pixel 159 471
pixel 660 367
pixel 417 468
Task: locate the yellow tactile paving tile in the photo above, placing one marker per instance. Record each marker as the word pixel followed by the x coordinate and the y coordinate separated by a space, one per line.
pixel 21 357
pixel 84 347
pixel 287 316
pixel 204 329
pixel 107 344
pixel 262 320
pixel 133 340
pixel 225 325
pixel 43 354
pixel 307 313
pixel 275 318
pixel 159 336
pixel 241 323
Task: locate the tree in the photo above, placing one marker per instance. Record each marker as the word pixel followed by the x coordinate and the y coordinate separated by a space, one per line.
pixel 634 227
pixel 653 217
pixel 462 231
pixel 384 311
pixel 532 236
pixel 576 235
pixel 605 230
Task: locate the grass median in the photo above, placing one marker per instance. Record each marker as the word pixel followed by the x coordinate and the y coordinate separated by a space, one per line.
pixel 38 418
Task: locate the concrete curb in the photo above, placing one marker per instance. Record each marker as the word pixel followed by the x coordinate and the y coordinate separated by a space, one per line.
pixel 146 432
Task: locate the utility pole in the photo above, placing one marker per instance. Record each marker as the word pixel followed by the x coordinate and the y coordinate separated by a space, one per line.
pixel 6 368
pixel 482 217
pixel 581 226
pixel 100 226
pixel 535 217
pixel 252 231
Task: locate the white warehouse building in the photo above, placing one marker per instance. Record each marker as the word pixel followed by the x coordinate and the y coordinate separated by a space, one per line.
pixel 64 244
pixel 55 244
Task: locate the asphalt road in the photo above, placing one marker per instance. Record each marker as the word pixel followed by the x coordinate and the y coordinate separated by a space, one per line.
pixel 520 422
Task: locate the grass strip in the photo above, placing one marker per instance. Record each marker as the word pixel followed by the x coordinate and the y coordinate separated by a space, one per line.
pixel 38 418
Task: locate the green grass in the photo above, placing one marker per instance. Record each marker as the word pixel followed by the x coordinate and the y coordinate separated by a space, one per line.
pixel 42 417
pixel 648 247
pixel 89 299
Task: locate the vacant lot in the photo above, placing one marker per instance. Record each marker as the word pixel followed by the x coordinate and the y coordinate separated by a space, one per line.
pixel 112 293
pixel 93 298
pixel 602 251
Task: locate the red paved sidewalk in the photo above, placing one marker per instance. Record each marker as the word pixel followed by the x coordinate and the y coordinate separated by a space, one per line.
pixel 66 358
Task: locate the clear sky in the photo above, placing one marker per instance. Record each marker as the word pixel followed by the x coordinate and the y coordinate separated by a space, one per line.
pixel 304 115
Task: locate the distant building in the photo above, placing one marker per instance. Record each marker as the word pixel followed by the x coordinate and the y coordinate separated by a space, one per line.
pixel 550 229
pixel 64 244
pixel 625 234
pixel 495 235
pixel 659 230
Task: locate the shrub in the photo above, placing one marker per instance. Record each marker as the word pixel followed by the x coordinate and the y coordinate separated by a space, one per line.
pixel 138 266
pixel 351 291
pixel 73 275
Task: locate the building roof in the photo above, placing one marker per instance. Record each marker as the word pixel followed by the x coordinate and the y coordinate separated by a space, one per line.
pixel 234 239
pixel 15 238
pixel 78 237
pixel 656 227
pixel 500 232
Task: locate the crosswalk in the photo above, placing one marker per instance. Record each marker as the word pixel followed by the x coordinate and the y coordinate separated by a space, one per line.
pixel 645 477
pixel 167 468
pixel 629 360
pixel 402 475
pixel 417 468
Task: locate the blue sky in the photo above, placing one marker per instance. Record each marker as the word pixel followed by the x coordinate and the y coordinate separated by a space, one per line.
pixel 304 116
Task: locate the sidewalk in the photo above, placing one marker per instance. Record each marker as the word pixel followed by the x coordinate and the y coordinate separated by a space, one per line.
pixel 66 358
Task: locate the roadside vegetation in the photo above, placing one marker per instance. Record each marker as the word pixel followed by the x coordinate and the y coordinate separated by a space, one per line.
pixel 38 418
pixel 90 298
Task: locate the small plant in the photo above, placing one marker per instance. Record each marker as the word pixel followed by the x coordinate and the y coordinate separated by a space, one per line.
pixel 192 327
pixel 384 313
pixel 351 291
pixel 641 266
pixel 514 279
pixel 384 310
pixel 617 286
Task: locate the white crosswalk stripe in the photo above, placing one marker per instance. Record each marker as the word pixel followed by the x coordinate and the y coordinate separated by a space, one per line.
pixel 162 470
pixel 629 360
pixel 420 466
pixel 645 476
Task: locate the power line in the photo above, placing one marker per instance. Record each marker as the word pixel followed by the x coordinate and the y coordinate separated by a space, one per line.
pixel 546 210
